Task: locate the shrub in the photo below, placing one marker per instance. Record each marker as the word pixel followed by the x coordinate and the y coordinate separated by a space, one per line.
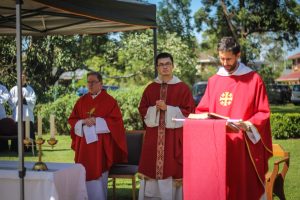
pixel 285 125
pixel 128 100
pixel 61 108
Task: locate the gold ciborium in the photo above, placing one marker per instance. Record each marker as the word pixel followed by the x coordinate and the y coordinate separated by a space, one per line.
pixel 40 166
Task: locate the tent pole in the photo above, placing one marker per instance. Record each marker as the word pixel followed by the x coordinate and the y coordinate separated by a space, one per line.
pixel 21 168
pixel 155 49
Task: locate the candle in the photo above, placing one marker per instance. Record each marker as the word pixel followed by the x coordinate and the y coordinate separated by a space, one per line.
pixel 40 126
pixel 52 126
pixel 27 127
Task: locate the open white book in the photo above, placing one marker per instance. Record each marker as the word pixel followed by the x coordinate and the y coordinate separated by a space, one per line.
pixel 207 116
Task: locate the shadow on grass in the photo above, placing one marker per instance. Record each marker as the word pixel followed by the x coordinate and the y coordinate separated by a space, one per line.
pixel 15 154
pixel 123 189
pixel 121 193
pixel 56 149
pixel 287 108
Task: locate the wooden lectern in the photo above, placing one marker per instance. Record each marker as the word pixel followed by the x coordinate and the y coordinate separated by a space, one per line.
pixel 204 159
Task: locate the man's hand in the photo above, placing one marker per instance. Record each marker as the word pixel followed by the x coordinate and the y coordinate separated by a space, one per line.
pixel 91 121
pixel 161 105
pixel 232 126
pixel 243 126
pixel 236 126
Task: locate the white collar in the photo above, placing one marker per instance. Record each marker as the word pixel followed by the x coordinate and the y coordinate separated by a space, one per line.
pixel 95 95
pixel 241 70
pixel 174 80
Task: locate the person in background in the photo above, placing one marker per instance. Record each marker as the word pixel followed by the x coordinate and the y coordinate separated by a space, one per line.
pixel 82 90
pixel 238 92
pixel 98 135
pixel 4 97
pixel 28 100
pixel 160 167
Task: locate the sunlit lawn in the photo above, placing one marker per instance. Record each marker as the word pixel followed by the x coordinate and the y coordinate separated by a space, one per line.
pixel 286 108
pixel 62 153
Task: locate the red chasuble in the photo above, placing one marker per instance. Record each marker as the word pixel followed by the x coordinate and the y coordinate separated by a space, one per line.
pixel 97 157
pixel 178 95
pixel 242 97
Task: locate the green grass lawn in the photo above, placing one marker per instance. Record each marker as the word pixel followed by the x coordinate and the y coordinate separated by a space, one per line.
pixel 62 153
pixel 286 108
pixel 292 181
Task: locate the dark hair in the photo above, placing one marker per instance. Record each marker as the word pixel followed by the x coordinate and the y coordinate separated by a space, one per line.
pixel 97 74
pixel 229 44
pixel 163 55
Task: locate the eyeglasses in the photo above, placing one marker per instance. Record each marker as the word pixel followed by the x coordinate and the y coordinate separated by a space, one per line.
pixel 92 82
pixel 168 64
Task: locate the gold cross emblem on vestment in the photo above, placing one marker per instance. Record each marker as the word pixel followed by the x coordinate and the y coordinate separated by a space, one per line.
pixel 226 98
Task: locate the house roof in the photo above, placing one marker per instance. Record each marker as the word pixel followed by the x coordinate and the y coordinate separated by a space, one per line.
pixel 294 76
pixel 68 17
pixel 297 55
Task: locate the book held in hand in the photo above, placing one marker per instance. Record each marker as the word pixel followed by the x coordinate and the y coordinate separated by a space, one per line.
pixel 207 116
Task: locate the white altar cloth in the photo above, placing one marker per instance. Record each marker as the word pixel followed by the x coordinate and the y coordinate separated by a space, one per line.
pixel 63 181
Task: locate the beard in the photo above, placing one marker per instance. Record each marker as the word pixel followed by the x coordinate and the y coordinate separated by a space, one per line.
pixel 231 68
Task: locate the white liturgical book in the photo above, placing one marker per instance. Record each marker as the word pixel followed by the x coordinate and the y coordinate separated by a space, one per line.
pixel 101 126
pixel 90 134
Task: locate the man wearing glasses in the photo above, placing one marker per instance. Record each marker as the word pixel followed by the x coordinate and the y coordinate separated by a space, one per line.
pixel 160 166
pixel 98 135
pixel 238 92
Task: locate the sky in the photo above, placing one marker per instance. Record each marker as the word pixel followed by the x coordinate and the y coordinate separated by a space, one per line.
pixel 195 5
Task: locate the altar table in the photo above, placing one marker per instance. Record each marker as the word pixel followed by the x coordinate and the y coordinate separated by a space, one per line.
pixel 63 181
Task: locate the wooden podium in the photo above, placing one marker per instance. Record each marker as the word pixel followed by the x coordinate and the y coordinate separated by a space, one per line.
pixel 204 159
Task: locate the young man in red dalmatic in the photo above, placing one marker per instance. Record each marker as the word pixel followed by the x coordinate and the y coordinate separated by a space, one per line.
pixel 98 135
pixel 237 92
pixel 161 160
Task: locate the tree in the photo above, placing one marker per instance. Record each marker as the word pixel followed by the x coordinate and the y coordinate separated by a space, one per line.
pixel 174 16
pixel 45 58
pixel 248 20
pixel 130 60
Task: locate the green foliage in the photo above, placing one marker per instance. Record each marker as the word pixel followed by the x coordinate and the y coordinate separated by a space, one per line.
pixel 267 74
pixel 285 125
pixel 129 100
pixel 7 61
pixel 208 72
pixel 55 92
pixel 175 17
pixel 61 108
pixel 248 20
pixel 46 58
pixel 133 63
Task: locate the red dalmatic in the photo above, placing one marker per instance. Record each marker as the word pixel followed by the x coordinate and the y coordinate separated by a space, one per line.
pixel 178 95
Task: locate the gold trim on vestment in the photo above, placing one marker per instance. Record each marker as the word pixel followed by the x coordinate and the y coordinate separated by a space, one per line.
pixel 160 155
pixel 253 163
pixel 261 138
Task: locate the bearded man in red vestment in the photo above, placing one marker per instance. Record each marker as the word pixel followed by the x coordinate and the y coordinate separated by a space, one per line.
pixel 98 135
pixel 237 92
pixel 161 160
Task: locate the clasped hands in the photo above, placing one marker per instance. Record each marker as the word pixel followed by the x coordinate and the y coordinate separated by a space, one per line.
pixel 161 105
pixel 91 121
